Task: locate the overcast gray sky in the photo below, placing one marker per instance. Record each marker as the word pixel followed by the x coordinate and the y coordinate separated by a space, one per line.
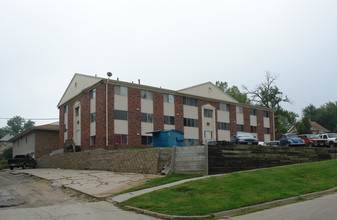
pixel 172 44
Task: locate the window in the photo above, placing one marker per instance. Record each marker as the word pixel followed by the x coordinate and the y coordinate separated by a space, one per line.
pixel 65 128
pixel 121 139
pixel 92 117
pixel 189 142
pixel 121 90
pixel 146 94
pixel 169 98
pixel 146 117
pixel 223 107
pixel 239 110
pixel 146 140
pixel 65 109
pixel 266 114
pixel 252 111
pixel 93 94
pixel 92 140
pixel 266 130
pixel 240 128
pixel 77 111
pixel 121 115
pixel 253 129
pixel 224 126
pixel 168 120
pixel 190 122
pixel 208 113
pixel 190 101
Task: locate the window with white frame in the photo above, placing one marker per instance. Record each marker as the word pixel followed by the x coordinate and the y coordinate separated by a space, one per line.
pixel 190 122
pixel 121 139
pixel 266 114
pixel 147 117
pixel 239 109
pixel 146 140
pixel 224 126
pixel 121 115
pixel 223 107
pixel 168 98
pixel 168 120
pixel 208 113
pixel 190 101
pixel 92 117
pixel 240 127
pixel 92 140
pixel 92 93
pixel 252 111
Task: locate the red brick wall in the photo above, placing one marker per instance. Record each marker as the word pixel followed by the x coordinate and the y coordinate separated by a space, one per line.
pixel 111 116
pixel 232 118
pixel 100 116
pixel 134 116
pixel 179 113
pixel 45 142
pixel 246 119
pixel 61 127
pixel 158 111
pixel 85 120
pixel 260 125
pixel 71 119
pixel 271 122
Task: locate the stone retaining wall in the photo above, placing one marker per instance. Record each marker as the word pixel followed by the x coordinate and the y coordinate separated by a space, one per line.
pixel 150 161
pixel 225 159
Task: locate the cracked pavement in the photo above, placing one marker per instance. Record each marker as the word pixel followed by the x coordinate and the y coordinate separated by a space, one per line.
pixel 99 184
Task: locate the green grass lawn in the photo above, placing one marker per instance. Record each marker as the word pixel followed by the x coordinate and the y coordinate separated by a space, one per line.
pixel 241 189
pixel 161 181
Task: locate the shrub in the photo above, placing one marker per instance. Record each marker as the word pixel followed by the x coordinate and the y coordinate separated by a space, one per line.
pixel 7 153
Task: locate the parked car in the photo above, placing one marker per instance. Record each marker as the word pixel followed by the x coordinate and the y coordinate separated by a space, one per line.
pixel 313 140
pixel 331 139
pixel 273 143
pixel 291 140
pixel 22 161
pixel 244 138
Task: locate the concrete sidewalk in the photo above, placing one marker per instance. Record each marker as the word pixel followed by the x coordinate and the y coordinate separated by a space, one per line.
pixel 98 184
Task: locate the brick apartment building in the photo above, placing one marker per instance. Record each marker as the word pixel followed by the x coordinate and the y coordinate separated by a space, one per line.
pixel 93 108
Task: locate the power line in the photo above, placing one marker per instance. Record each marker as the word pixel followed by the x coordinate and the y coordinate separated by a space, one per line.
pixel 34 119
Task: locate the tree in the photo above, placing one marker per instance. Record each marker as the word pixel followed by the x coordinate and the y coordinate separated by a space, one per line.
pixel 325 115
pixel 7 153
pixel 304 126
pixel 18 124
pixel 267 94
pixel 3 132
pixel 233 91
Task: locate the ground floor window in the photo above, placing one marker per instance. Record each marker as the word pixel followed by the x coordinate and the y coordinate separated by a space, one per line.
pixel 253 129
pixel 92 140
pixel 240 128
pixel 146 140
pixel 121 139
pixel 266 130
pixel 189 142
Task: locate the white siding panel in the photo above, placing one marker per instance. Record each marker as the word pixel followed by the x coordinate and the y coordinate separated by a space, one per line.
pixel 146 127
pixel 267 137
pixel 168 109
pixel 266 122
pixel 147 106
pixel 190 112
pixel 253 120
pixel 121 127
pixel 223 116
pixel 121 102
pixel 239 119
pixel 191 133
pixel 224 135
pixel 169 127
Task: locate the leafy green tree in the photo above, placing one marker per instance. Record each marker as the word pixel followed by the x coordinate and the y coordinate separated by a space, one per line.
pixel 18 124
pixel 233 91
pixel 3 132
pixel 304 126
pixel 325 115
pixel 7 153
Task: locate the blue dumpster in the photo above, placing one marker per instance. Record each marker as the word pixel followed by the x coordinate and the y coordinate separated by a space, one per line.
pixel 167 138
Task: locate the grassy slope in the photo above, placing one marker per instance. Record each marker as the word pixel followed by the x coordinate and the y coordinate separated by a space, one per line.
pixel 240 189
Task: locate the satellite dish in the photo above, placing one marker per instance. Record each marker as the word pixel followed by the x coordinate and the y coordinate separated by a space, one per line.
pixel 109 74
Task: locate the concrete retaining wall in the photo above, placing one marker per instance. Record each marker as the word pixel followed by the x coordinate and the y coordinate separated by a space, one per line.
pixel 189 160
pixel 149 161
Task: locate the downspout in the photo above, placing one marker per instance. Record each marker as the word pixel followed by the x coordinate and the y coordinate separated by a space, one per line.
pixel 106 115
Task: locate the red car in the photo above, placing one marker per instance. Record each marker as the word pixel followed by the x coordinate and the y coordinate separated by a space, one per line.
pixel 313 140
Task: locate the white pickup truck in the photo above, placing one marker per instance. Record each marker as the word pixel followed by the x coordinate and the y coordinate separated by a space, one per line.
pixel 331 139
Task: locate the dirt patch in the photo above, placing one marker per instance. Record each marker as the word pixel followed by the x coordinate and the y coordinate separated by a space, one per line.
pixel 35 192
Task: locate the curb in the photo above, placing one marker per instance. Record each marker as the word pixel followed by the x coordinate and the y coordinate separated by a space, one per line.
pixel 232 212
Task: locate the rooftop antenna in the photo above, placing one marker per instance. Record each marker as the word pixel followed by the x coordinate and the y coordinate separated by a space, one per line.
pixel 109 74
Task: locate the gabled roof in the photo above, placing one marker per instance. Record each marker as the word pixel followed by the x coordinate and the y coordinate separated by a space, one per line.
pixel 6 138
pixel 317 127
pixel 47 127
pixel 208 90
pixel 77 85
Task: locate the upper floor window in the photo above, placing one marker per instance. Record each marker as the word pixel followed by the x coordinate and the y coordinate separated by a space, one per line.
pixel 121 90
pixel 92 93
pixel 223 107
pixel 121 115
pixel 77 111
pixel 208 113
pixel 169 98
pixel 65 109
pixel 146 94
pixel 190 101
pixel 190 122
pixel 252 111
pixel 92 117
pixel 266 114
pixel 266 130
pixel 223 126
pixel 146 117
pixel 239 109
